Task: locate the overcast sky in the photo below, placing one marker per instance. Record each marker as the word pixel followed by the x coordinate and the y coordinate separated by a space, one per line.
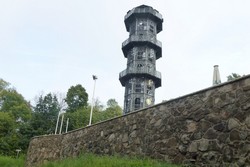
pixel 50 45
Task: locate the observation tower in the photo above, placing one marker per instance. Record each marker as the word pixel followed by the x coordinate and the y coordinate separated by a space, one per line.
pixel 141 49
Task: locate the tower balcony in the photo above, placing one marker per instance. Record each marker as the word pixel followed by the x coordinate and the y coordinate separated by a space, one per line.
pixel 142 41
pixel 125 75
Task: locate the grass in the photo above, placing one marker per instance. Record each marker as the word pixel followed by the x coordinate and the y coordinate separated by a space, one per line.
pixel 11 162
pixel 90 160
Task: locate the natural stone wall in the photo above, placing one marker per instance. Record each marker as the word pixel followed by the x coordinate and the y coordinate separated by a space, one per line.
pixel 210 127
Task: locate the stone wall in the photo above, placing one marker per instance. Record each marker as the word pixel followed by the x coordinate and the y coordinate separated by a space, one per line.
pixel 210 127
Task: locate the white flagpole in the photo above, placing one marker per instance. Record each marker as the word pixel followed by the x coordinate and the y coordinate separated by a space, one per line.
pixel 57 121
pixel 61 124
pixel 67 125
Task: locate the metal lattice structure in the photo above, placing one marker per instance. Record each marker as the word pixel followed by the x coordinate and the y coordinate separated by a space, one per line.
pixel 141 49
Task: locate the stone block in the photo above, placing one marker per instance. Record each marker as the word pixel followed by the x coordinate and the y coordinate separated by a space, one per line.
pixel 193 147
pixel 203 145
pixel 233 123
pixel 191 126
pixel 211 134
pixel 234 135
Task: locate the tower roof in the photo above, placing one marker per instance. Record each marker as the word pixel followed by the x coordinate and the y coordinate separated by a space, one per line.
pixel 143 11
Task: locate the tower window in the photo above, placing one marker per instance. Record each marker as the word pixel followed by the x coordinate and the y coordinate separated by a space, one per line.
pixel 150 69
pixel 140 36
pixel 138 88
pixel 151 28
pixel 139 66
pixel 137 103
pixel 142 26
pixel 151 55
pixel 139 56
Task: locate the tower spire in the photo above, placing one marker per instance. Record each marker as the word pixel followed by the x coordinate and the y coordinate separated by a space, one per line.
pixel 216 75
pixel 141 49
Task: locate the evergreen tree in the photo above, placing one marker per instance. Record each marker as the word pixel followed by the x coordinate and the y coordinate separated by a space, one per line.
pixel 45 114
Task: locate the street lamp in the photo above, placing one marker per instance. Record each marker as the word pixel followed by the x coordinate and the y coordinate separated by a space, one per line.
pixel 92 106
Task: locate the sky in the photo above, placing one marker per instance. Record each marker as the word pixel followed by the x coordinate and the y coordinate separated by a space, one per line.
pixel 50 45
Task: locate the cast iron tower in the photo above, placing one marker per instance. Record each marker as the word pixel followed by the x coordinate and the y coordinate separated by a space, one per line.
pixel 141 49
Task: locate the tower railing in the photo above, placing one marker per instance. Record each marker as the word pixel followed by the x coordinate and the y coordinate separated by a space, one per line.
pixel 141 39
pixel 143 70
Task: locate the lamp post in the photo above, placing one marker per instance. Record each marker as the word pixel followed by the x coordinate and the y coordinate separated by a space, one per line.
pixel 92 106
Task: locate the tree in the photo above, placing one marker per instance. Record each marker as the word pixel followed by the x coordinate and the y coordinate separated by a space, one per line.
pixel 233 76
pixel 78 118
pixel 7 124
pixel 3 84
pixel 45 114
pixel 76 98
pixel 15 113
pixel 113 109
pixel 14 103
pixel 112 103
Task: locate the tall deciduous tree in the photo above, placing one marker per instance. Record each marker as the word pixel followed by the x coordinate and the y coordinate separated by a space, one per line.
pixel 7 133
pixel 15 113
pixel 14 103
pixel 76 98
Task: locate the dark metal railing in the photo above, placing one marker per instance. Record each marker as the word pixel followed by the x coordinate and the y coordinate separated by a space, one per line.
pixel 143 70
pixel 136 38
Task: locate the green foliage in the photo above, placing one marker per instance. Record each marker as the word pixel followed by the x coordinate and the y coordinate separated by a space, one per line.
pixel 15 112
pixel 233 76
pixel 11 162
pixel 45 115
pixel 113 109
pixel 76 98
pixel 7 124
pixel 80 118
pixel 19 121
pixel 14 103
pixel 3 84
pixel 90 160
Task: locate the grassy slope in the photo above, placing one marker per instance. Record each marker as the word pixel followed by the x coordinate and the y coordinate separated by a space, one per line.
pixel 90 160
pixel 11 162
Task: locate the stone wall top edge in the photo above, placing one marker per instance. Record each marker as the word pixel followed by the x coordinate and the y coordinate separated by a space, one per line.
pixel 205 89
pixel 50 135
